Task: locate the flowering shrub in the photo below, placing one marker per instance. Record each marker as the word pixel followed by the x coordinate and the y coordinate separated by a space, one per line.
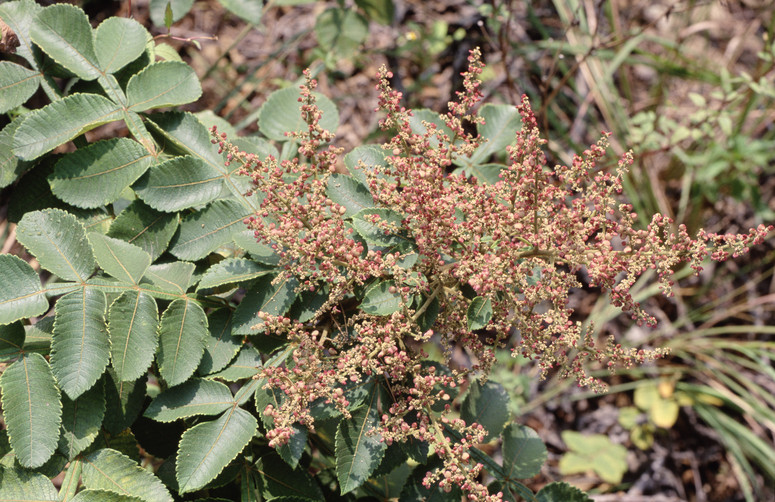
pixel 403 253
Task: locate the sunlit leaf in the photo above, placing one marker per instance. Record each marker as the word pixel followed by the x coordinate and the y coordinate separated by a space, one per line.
pixel 182 332
pixel 46 128
pixel 191 398
pixel 126 262
pixel 17 84
pixel 32 410
pixel 523 452
pixel 21 294
pixel 64 33
pixel 118 41
pixel 59 242
pixel 359 449
pixel 487 405
pixel 96 175
pixel 166 83
pixel 231 270
pixel 143 226
pixel 479 313
pixel 179 183
pixel 202 232
pixel 19 484
pixel 347 192
pixel 80 349
pixel 263 296
pixel 132 322
pixel 220 345
pixel 173 277
pixel 107 469
pixel 208 447
pixel 381 299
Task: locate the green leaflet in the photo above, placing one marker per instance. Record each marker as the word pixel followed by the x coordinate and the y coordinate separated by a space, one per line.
pixel 174 277
pixel 109 470
pixel 281 113
pixel 486 405
pixel 479 313
pixel 379 300
pixel 220 345
pixel 430 117
pixel 126 262
pixel 179 183
pixel 64 33
pixel 561 492
pixel 365 158
pixel 341 32
pixel 369 224
pixel 263 296
pixel 347 192
pixel 46 128
pixel 231 270
pixel 80 349
pixel 191 398
pixel 17 83
pixel 81 421
pixel 11 166
pixel 182 332
pixel 21 294
pixel 58 241
pixel 203 232
pixel 166 83
pixel 132 322
pixel 118 41
pixel 31 409
pixel 523 452
pixel 20 16
pixel 291 451
pixel 208 447
pixel 123 402
pixel 500 128
pixel 23 485
pixel 245 365
pixel 249 10
pixel 96 175
pixel 70 481
pixel 143 226
pixel 358 449
pixel 103 496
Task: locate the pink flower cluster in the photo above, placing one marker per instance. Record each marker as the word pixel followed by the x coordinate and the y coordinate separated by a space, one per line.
pixel 519 243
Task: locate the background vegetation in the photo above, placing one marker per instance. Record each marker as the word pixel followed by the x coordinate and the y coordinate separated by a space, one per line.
pixel 687 85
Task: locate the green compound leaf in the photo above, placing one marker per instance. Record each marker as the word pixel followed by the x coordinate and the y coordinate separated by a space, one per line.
pixel 486 405
pixel 132 322
pixel 277 481
pixel 46 128
pixel 31 409
pixel 203 232
pixel 96 175
pixel 479 313
pixel 64 33
pixel 220 346
pixel 265 297
pixel 17 84
pixel 191 398
pixel 126 262
pixel 207 448
pixel 103 496
pixel 174 278
pixel 58 241
pixel 143 226
pixel 561 492
pixel 249 10
pixel 109 470
pixel 359 449
pixel 369 222
pixel 182 333
pixel 523 452
pixel 179 183
pixel 341 31
pixel 80 349
pixel 118 41
pixel 282 113
pixel 21 294
pixel 22 485
pixel 379 300
pixel 167 83
pixel 500 128
pixel 350 193
pixel 231 270
pixel 81 421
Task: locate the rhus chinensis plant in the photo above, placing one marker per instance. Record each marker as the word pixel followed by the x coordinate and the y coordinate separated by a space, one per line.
pixel 287 360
